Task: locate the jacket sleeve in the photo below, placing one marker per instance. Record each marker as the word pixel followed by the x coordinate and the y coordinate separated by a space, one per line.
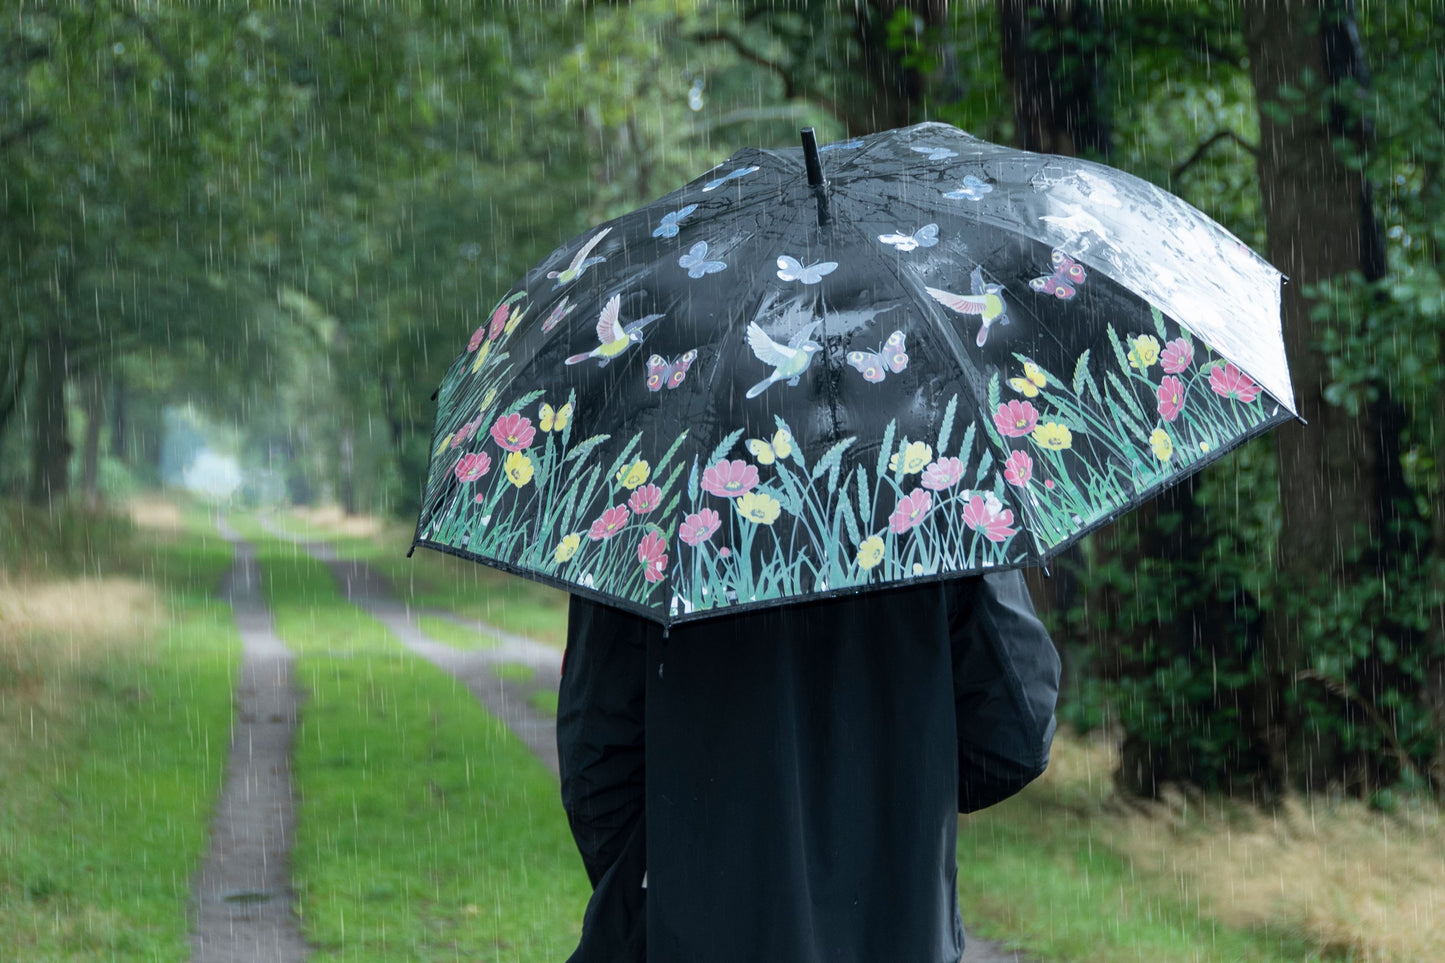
pixel 600 742
pixel 1005 685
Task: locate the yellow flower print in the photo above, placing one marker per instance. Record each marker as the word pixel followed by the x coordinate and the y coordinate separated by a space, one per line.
pixel 870 552
pixel 1162 444
pixel 482 353
pixel 518 468
pixel 914 458
pixel 487 399
pixel 555 420
pixel 1033 379
pixel 445 442
pixel 759 508
pixel 1054 436
pixel 567 547
pixel 1144 352
pixel 630 476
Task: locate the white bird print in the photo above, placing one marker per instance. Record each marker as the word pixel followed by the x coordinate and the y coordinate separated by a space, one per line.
pixel 789 360
pixel 580 262
pixel 1078 221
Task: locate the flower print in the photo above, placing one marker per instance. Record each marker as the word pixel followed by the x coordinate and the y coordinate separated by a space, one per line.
pixel 1018 469
pixel 446 443
pixel 481 357
pixel 499 321
pixel 1144 352
pixel 645 499
pixel 464 432
pixel 518 468
pixel 1162 444
pixel 630 476
pixel 473 466
pixel 567 547
pixel 986 514
pixel 652 553
pixel 724 552
pixel 942 474
pixel 730 479
pixel 1178 356
pixel 1053 436
pixel 699 526
pixel 759 508
pixel 487 400
pixel 1230 382
pixel 1171 397
pixel 870 552
pixel 513 432
pixel 1016 418
pixel 912 459
pixel 609 523
pixel 477 336
pixel 910 510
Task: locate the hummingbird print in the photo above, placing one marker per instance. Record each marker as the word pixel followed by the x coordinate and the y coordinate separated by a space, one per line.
pixel 986 301
pixel 614 337
pixel 580 262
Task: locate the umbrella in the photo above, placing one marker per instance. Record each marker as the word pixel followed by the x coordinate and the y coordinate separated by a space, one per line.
pixel 904 357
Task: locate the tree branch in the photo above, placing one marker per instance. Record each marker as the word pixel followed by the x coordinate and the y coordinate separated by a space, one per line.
pixel 25 131
pixel 1200 151
pixel 791 90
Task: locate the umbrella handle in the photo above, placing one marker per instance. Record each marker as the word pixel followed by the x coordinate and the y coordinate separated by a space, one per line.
pixel 815 174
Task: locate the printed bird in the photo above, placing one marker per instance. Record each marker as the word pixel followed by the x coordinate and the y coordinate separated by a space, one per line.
pixel 789 360
pixel 614 338
pixel 986 300
pixel 580 262
pixel 1078 221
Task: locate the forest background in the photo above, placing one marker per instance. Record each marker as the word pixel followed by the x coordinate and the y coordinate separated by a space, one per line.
pixel 259 230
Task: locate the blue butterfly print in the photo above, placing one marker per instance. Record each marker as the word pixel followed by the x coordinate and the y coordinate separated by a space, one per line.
pixel 973 189
pixel 853 144
pixel 937 153
pixel 791 269
pixel 925 236
pixel 696 262
pixel 719 182
pixel 671 220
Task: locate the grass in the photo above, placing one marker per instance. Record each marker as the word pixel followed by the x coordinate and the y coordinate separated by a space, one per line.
pixel 427 831
pixel 115 705
pixel 514 672
pixel 456 636
pixel 544 701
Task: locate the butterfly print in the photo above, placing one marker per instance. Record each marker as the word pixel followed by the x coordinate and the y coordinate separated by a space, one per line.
pixel 696 262
pixel 767 452
pixel 874 366
pixel 1062 284
pixel 671 221
pixel 670 374
pixel 791 269
pixel 937 153
pixel 925 236
pixel 714 184
pixel 973 189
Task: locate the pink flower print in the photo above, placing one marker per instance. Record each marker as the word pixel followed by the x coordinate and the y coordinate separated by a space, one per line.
pixel 910 511
pixel 499 321
pixel 1178 356
pixel 729 479
pixel 724 552
pixel 513 432
pixel 609 523
pixel 652 553
pixel 986 514
pixel 699 526
pixel 942 474
pixel 1016 418
pixel 645 499
pixel 465 432
pixel 477 336
pixel 1171 397
pixel 1018 469
pixel 1230 382
pixel 473 466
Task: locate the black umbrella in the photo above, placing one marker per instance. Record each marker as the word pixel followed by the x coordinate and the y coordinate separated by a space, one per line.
pixel 945 358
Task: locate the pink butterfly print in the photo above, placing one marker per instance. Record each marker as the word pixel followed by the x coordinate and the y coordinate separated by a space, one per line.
pixel 1062 284
pixel 874 366
pixel 662 372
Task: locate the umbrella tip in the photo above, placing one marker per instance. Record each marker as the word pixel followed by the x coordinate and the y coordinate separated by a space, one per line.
pixel 815 173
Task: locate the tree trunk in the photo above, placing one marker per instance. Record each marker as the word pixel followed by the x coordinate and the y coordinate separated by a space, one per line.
pixel 1321 226
pixel 1054 56
pixel 92 399
pixel 50 452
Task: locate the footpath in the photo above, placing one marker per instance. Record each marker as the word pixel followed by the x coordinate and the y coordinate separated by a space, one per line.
pixel 245 905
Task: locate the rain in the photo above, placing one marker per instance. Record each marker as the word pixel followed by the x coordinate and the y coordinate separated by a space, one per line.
pixel 351 354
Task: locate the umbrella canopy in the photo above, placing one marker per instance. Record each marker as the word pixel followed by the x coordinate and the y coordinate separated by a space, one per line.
pixel 934 357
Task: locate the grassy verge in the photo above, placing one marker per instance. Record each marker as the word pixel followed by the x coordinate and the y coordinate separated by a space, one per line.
pixel 456 636
pixel 427 832
pixel 116 672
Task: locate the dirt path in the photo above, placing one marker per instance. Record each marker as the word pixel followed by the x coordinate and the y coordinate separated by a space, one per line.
pixel 244 905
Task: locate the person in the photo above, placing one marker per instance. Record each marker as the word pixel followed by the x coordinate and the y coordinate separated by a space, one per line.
pixel 783 785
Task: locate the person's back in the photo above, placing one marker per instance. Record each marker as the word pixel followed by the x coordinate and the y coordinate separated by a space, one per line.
pixel 801 780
